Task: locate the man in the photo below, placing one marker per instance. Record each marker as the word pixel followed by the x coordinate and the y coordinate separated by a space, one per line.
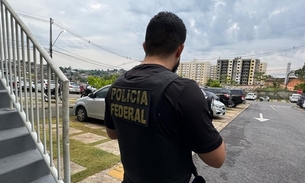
pixel 158 117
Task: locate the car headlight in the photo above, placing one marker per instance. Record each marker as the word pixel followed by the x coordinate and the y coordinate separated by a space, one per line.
pixel 218 106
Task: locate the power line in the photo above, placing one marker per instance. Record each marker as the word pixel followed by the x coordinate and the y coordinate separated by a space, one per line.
pixel 268 53
pixel 91 60
pixel 59 25
pixel 87 60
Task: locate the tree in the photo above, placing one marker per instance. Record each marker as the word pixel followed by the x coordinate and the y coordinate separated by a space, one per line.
pixel 224 78
pixel 300 72
pixel 98 82
pixel 300 86
pixel 213 83
pixel 276 83
pixel 260 76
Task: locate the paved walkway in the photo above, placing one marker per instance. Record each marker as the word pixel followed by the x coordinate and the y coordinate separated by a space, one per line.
pixel 115 174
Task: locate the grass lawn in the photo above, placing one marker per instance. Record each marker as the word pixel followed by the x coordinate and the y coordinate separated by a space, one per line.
pixel 93 159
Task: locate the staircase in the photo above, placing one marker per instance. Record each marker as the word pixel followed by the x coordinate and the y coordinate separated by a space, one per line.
pixel 20 159
pixel 33 133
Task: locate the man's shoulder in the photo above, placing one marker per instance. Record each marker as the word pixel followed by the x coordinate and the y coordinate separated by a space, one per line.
pixel 180 84
pixel 185 81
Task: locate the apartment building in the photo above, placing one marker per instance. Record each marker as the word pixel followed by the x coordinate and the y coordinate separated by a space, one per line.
pixel 213 72
pixel 198 71
pixel 239 70
pixel 263 67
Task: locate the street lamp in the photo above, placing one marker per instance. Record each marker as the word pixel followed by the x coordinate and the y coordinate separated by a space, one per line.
pixel 51 43
pixel 58 36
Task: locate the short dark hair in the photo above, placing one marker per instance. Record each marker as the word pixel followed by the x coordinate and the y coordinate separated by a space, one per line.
pixel 164 34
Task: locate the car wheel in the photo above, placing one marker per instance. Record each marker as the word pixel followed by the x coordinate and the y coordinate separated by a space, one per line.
pixel 81 114
pixel 46 98
pixel 232 104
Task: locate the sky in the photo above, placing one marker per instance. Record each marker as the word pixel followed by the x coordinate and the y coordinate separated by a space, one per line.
pixel 107 34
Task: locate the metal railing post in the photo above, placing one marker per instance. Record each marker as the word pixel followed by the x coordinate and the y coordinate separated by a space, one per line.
pixel 65 129
pixel 18 43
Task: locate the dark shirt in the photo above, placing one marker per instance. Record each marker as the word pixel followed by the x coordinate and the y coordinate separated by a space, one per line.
pixel 183 113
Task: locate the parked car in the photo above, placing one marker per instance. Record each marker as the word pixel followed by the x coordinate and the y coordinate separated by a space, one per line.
pixel 74 88
pixel 91 106
pixel 251 96
pixel 27 85
pixel 223 94
pixel 264 98
pixel 294 97
pixel 300 102
pixel 238 96
pixel 217 108
pixel 42 85
pixel 211 94
pixel 23 85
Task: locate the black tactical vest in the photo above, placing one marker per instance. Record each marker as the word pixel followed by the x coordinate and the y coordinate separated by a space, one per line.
pixel 148 153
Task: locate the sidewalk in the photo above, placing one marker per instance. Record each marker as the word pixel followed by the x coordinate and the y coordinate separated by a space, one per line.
pixel 115 174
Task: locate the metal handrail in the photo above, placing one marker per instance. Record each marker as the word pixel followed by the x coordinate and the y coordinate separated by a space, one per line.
pixel 24 62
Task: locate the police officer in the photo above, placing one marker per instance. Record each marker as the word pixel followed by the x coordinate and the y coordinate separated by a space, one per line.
pixel 158 117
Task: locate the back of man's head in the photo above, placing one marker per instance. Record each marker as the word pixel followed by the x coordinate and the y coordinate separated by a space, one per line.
pixel 164 34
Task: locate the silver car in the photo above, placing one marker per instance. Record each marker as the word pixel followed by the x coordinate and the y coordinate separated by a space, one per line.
pixel 294 97
pixel 218 108
pixel 91 106
pixel 74 88
pixel 250 96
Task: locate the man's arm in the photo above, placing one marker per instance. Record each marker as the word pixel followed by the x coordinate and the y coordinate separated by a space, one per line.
pixel 216 157
pixel 112 133
pixel 202 136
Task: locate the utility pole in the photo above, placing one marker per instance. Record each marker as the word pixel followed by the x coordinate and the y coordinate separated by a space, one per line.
pixel 51 44
pixel 288 71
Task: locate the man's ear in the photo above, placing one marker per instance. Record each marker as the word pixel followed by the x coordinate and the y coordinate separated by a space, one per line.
pixel 179 50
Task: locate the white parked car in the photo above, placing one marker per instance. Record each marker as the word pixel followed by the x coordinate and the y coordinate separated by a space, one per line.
pixel 74 88
pixel 251 96
pixel 294 97
pixel 91 106
pixel 218 108
pixel 42 85
pixel 26 85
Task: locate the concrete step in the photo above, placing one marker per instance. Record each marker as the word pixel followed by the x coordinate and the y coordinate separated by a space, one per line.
pixel 4 99
pixel 24 167
pixel 15 141
pixel 46 179
pixel 1 86
pixel 10 119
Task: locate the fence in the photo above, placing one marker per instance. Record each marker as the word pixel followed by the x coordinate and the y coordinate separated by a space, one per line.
pixel 23 64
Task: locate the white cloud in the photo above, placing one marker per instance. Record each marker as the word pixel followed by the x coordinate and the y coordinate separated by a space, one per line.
pixel 216 28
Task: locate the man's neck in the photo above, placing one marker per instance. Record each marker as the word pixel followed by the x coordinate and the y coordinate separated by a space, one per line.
pixel 156 60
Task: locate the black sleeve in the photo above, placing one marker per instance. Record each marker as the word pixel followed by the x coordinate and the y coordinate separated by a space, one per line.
pixel 192 107
pixel 108 119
